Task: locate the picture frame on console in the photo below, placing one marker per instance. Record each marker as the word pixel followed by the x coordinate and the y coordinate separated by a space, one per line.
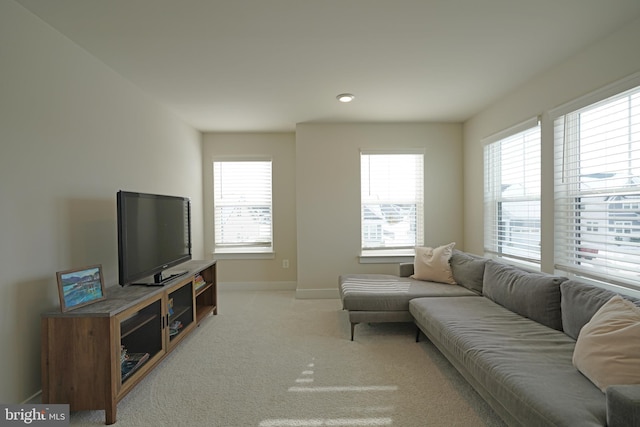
pixel 81 286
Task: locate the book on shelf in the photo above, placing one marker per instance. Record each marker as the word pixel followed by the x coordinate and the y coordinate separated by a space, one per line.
pixel 198 281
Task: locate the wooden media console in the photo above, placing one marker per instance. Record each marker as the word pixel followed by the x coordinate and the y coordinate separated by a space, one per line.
pixel 94 355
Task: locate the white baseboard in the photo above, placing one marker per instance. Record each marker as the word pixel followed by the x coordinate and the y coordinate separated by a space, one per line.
pixel 317 293
pixel 257 286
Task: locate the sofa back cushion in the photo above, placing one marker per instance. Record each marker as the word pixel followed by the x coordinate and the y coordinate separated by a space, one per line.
pixel 529 294
pixel 580 301
pixel 468 270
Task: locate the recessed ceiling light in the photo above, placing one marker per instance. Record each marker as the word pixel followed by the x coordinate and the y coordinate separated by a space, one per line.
pixel 345 97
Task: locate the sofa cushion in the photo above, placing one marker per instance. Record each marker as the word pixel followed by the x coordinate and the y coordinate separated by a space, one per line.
pixel 579 303
pixel 468 270
pixel 432 264
pixel 608 348
pixel 530 294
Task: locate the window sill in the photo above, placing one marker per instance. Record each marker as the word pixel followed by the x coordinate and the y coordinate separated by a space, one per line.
pixel 244 253
pixel 386 257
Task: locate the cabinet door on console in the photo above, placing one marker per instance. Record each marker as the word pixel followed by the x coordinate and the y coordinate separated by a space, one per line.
pixel 180 311
pixel 141 342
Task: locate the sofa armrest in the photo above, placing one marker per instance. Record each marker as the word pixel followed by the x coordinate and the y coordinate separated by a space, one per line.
pixel 623 405
pixel 405 269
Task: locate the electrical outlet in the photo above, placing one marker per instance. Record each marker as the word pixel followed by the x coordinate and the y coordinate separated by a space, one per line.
pixel 285 263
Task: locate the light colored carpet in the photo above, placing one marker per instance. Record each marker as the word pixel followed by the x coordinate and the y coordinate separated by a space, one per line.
pixel 270 360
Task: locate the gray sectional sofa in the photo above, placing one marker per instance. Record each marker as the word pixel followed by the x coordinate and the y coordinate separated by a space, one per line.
pixel 511 333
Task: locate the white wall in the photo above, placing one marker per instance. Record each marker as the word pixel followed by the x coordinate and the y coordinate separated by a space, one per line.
pixel 328 194
pixel 605 62
pixel 72 133
pixel 280 148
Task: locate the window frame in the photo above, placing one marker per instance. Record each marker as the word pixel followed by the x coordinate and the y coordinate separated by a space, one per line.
pixel 238 250
pixel 369 254
pixel 568 257
pixel 494 199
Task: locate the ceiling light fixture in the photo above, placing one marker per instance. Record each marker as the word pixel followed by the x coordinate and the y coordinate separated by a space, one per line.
pixel 345 97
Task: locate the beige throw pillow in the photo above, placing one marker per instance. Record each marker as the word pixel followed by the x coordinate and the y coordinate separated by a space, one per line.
pixel 432 264
pixel 608 347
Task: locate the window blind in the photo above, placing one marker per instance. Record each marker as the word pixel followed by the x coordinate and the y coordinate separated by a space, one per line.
pixel 242 204
pixel 597 189
pixel 392 200
pixel 512 193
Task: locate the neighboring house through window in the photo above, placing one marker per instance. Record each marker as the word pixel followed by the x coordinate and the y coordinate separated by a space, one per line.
pixel 242 206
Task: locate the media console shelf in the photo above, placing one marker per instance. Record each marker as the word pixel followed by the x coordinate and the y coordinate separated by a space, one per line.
pixel 93 356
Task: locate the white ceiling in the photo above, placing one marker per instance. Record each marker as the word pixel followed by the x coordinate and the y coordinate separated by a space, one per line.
pixel 265 65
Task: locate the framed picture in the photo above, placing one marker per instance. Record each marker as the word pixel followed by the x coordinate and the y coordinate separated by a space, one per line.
pixel 80 287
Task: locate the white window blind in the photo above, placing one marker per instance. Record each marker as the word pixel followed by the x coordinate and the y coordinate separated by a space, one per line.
pixel 512 193
pixel 392 200
pixel 597 189
pixel 242 204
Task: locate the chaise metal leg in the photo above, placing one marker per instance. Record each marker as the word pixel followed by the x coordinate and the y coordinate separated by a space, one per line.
pixel 353 327
pixel 417 334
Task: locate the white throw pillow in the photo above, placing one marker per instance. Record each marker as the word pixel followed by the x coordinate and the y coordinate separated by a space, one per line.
pixel 608 347
pixel 432 264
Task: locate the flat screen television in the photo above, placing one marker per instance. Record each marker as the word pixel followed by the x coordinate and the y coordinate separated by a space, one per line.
pixel 154 234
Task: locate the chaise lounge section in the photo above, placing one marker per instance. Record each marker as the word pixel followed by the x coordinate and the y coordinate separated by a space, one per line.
pixel 380 298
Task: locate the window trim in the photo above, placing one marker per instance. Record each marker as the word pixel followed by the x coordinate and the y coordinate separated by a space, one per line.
pixel 608 91
pixel 519 128
pixel 252 251
pixel 392 255
pixel 511 131
pixel 574 107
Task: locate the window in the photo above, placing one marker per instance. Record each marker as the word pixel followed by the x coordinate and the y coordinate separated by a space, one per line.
pixel 392 201
pixel 512 193
pixel 242 206
pixel 597 189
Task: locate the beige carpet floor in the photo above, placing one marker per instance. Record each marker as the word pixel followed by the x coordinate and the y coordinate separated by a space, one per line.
pixel 271 360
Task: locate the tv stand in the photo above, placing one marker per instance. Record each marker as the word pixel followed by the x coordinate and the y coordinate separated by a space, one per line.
pixel 82 348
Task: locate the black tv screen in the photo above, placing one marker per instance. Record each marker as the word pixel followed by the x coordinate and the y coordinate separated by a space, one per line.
pixel 154 234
